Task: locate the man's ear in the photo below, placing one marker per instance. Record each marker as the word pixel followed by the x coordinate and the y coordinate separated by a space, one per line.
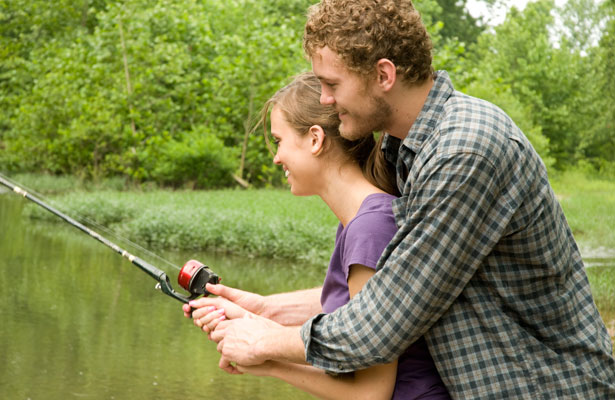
pixel 317 139
pixel 386 74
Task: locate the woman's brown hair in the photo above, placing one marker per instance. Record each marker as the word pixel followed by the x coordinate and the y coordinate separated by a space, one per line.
pixel 299 102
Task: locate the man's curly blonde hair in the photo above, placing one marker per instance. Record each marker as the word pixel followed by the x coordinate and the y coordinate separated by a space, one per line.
pixel 363 31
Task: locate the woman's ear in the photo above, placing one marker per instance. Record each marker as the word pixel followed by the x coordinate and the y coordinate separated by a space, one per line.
pixel 317 139
pixel 387 74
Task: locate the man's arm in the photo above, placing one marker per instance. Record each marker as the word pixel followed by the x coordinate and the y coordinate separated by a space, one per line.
pixel 453 219
pixel 251 340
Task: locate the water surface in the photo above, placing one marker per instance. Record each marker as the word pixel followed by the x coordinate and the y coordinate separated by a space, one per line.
pixel 80 321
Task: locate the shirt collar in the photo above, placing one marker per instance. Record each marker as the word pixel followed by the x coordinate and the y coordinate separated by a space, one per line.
pixel 426 121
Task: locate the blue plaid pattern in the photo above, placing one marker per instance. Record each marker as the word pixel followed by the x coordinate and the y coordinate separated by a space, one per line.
pixel 484 265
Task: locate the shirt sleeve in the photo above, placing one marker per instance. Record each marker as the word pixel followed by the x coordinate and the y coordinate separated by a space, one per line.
pixel 366 239
pixel 453 218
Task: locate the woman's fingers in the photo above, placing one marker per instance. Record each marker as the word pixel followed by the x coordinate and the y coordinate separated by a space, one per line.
pixel 210 321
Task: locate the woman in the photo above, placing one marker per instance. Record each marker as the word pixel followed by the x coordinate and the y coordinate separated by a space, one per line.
pixel 355 182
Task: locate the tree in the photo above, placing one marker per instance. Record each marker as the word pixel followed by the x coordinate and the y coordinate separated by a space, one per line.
pixel 137 93
pixel 549 80
pixel 457 22
pixel 598 144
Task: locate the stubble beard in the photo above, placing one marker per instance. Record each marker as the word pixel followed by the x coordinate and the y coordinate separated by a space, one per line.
pixel 364 125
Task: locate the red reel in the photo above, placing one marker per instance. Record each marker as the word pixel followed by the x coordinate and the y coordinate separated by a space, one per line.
pixel 194 275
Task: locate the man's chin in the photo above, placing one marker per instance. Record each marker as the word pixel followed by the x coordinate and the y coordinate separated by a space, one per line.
pixel 352 132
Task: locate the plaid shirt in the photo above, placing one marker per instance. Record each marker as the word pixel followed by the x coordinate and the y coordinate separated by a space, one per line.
pixel 484 265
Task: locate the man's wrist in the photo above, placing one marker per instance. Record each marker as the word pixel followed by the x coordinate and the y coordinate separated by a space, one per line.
pixel 281 343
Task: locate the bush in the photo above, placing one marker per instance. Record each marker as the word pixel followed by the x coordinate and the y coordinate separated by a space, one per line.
pixel 198 159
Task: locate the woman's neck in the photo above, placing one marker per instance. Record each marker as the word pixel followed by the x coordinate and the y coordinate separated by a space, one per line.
pixel 345 189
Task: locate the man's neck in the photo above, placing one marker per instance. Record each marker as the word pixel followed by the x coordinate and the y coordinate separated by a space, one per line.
pixel 406 104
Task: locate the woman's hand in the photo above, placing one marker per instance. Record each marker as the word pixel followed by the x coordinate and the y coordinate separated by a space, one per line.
pixel 208 312
pixel 252 302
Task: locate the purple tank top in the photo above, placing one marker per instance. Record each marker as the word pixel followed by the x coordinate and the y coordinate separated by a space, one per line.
pixel 362 241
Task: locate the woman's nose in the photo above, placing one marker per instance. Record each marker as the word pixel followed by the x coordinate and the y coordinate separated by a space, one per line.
pixel 276 159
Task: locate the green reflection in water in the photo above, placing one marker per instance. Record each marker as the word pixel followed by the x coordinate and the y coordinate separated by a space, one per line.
pixel 79 321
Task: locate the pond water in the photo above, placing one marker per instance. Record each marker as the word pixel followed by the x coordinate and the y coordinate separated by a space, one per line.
pixel 79 321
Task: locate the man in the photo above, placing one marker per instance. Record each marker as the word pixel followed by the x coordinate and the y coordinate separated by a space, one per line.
pixel 484 265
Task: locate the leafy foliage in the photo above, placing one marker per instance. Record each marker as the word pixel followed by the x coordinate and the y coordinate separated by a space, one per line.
pixel 167 92
pixel 550 78
pixel 152 90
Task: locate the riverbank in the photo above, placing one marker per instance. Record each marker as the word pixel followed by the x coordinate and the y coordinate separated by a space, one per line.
pixel 272 222
pixel 269 223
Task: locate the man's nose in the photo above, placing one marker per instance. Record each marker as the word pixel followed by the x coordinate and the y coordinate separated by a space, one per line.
pixel 326 98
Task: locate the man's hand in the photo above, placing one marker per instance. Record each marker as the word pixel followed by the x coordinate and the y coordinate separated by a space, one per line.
pixel 243 340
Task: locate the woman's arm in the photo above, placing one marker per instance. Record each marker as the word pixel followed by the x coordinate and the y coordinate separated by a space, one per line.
pixel 288 309
pixel 376 382
pixel 293 308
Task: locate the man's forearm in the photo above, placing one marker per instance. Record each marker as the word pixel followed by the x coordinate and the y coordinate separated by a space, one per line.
pixel 282 344
pixel 294 308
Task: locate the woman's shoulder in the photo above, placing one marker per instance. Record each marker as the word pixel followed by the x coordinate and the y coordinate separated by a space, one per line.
pixel 376 208
pixel 374 219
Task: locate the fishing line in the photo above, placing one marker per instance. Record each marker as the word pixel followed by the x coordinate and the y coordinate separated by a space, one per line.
pixel 84 219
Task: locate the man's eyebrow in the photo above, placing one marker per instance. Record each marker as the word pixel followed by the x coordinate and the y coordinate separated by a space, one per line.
pixel 326 80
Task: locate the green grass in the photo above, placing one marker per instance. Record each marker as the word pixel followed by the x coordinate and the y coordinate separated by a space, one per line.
pixel 273 222
pixel 589 206
pixel 602 281
pixel 263 223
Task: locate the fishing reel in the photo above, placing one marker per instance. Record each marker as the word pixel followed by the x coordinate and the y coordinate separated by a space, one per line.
pixel 193 277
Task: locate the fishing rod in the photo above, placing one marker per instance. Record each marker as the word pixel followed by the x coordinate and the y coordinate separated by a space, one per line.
pixel 193 276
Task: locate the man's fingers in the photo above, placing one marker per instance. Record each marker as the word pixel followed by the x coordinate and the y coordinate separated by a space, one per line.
pixel 219 333
pixel 226 365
